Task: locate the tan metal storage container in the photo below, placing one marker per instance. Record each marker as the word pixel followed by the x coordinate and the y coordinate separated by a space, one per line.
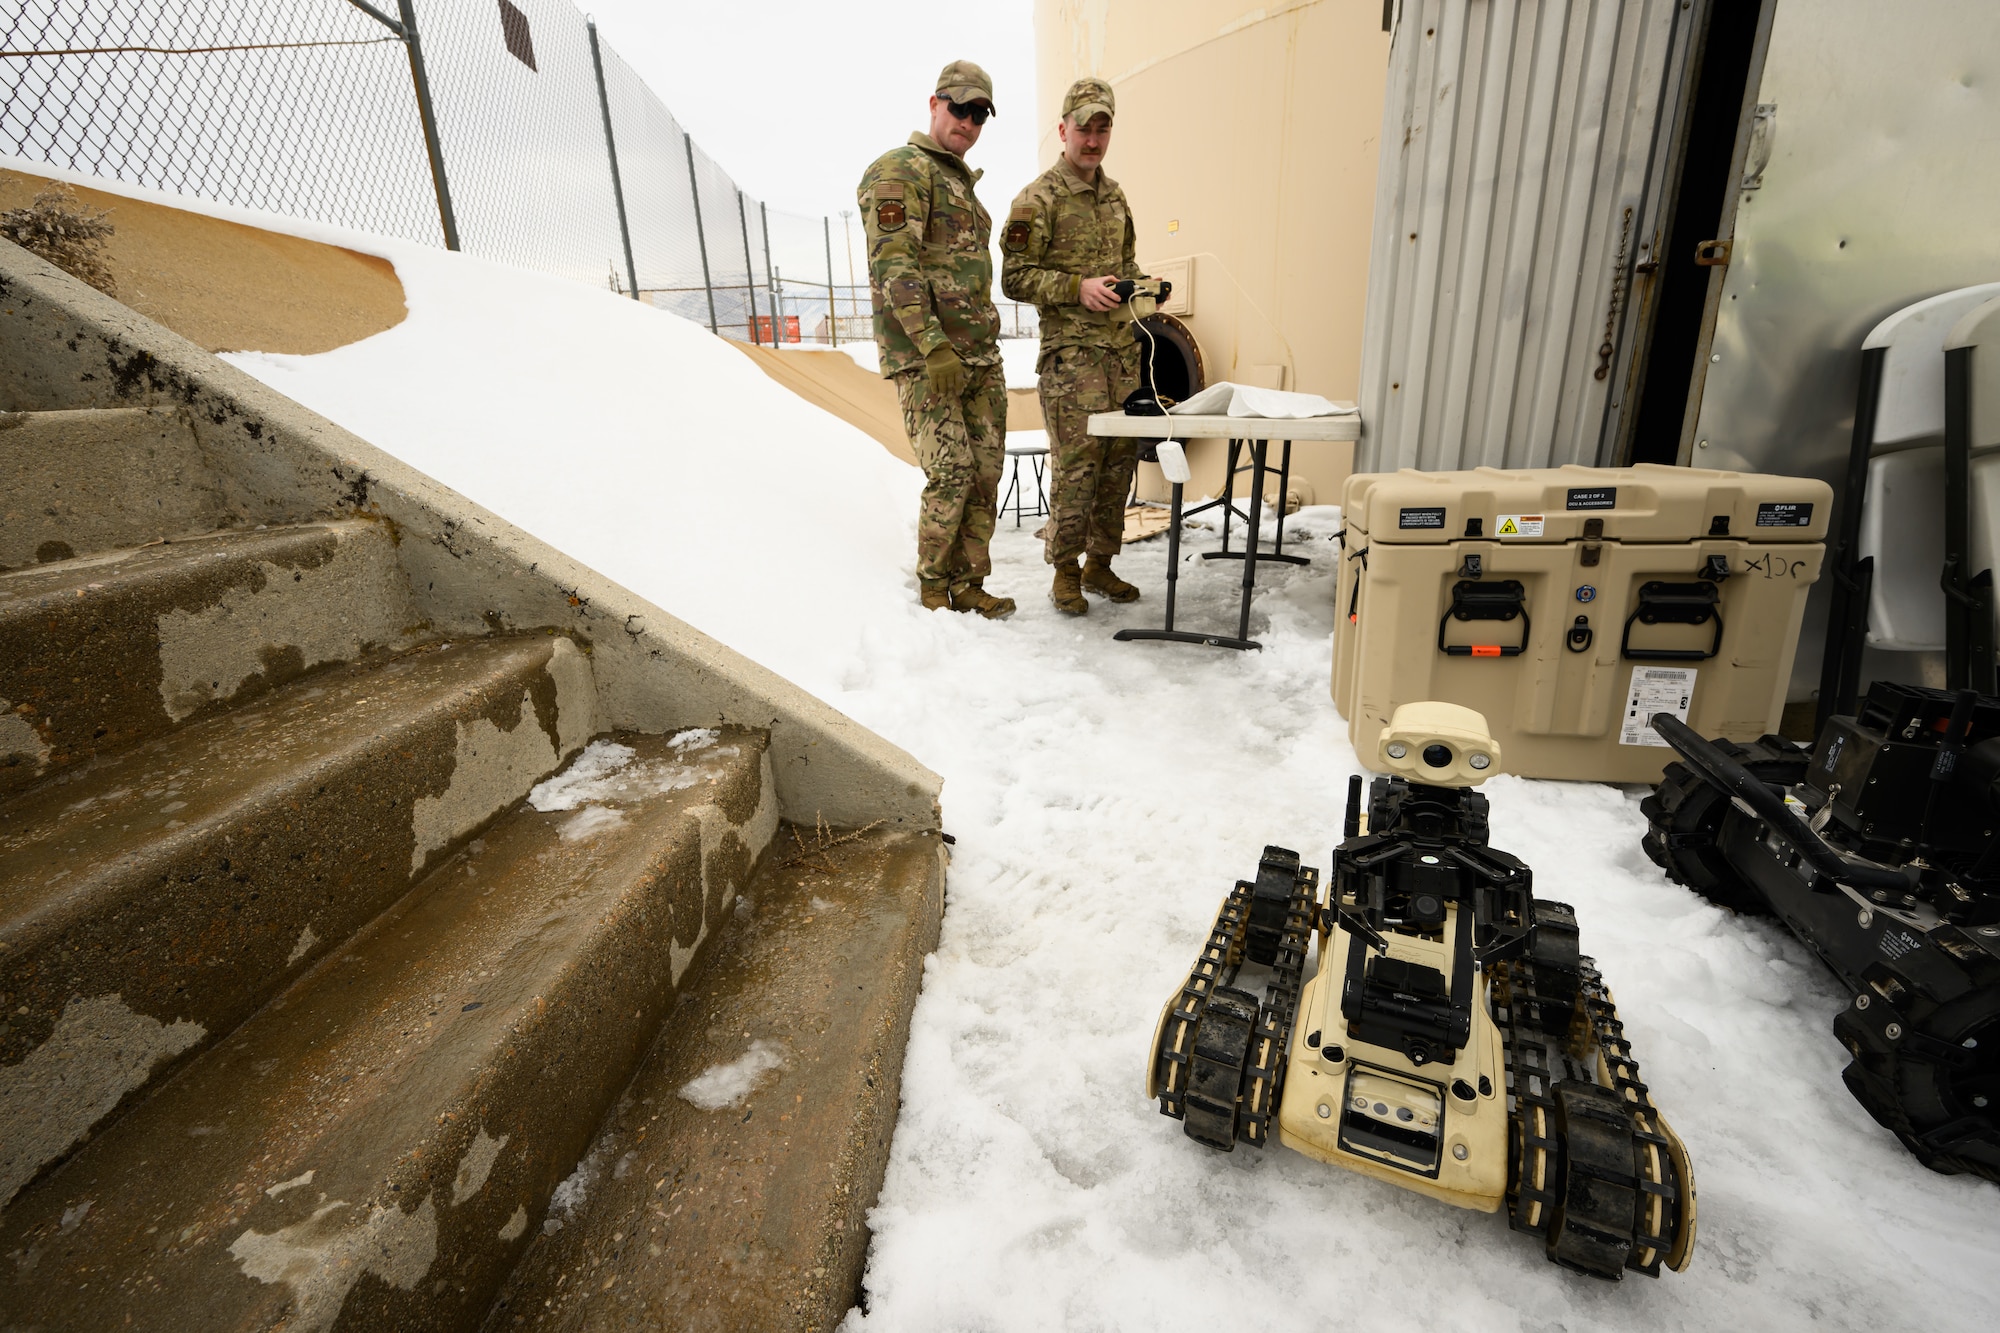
pixel 1568 604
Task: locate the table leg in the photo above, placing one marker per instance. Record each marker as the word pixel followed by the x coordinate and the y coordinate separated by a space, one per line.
pixel 1229 490
pixel 1284 494
pixel 1257 448
pixel 1275 553
pixel 1169 633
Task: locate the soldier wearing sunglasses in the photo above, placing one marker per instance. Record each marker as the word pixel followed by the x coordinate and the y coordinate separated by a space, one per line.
pixel 931 276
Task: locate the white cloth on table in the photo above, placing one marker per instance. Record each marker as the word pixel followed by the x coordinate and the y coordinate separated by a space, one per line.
pixel 1243 400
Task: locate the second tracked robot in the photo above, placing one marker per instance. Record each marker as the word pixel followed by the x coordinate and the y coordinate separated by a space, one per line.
pixel 1453 1041
pixel 1880 849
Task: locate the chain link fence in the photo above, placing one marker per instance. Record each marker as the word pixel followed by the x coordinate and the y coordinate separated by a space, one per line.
pixel 505 128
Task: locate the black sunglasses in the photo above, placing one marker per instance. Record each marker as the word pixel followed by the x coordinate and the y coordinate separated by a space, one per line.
pixel 976 112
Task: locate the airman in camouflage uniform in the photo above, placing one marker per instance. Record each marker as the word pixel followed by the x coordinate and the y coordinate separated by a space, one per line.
pixel 931 274
pixel 1069 236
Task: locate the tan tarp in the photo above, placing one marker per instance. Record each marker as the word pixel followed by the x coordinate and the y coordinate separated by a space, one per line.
pixel 862 398
pixel 231 288
pixel 1024 410
pixel 831 379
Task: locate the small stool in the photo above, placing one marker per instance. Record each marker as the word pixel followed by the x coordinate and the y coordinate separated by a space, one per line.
pixel 1014 499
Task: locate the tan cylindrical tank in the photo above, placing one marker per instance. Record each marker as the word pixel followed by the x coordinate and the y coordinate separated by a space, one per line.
pixel 1246 140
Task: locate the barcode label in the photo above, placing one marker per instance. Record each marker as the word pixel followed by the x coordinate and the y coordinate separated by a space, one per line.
pixel 1655 690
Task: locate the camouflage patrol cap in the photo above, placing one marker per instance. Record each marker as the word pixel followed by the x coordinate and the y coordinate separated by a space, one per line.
pixel 964 82
pixel 1087 97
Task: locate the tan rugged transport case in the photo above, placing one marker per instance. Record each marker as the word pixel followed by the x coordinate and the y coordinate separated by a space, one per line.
pixel 1569 604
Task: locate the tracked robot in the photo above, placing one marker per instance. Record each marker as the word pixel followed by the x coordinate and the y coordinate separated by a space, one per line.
pixel 1880 848
pixel 1452 1040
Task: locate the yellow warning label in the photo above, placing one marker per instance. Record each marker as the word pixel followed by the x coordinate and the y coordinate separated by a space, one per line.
pixel 1519 525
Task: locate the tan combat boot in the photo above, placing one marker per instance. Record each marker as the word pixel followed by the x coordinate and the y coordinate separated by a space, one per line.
pixel 1067 592
pixel 934 596
pixel 1098 578
pixel 972 597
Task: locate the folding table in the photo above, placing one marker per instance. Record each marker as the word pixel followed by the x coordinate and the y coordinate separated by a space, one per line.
pixel 1257 432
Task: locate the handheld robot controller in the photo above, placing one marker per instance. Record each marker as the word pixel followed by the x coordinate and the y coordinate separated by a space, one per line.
pixel 1141 298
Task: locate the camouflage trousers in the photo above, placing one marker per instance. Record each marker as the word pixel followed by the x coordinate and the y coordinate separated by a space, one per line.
pixel 1091 474
pixel 961 445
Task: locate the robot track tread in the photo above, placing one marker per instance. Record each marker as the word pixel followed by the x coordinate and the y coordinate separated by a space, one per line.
pixel 1596 1173
pixel 1225 1083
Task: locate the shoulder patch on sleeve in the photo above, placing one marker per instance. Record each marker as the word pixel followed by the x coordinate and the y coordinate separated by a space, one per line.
pixel 1015 238
pixel 889 190
pixel 890 215
pixel 1022 213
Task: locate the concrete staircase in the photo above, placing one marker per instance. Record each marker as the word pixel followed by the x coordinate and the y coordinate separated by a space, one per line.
pixel 339 911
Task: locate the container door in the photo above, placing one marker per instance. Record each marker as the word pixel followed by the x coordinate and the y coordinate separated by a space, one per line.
pixel 1520 191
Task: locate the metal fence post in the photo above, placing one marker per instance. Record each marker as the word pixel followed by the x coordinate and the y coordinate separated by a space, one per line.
pixel 749 269
pixel 429 117
pixel 832 310
pixel 700 233
pixel 771 276
pixel 406 32
pixel 611 149
pixel 853 287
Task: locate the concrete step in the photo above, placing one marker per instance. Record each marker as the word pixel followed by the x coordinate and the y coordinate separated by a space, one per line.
pixel 149 902
pixel 93 480
pixel 752 1214
pixel 104 650
pixel 377 1146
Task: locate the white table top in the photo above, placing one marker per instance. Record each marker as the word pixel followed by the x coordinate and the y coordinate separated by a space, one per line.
pixel 1227 428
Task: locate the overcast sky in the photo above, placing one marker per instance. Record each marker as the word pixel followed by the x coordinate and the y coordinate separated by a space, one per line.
pixel 794 98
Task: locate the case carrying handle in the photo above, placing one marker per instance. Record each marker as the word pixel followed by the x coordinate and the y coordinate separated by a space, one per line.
pixel 1674 604
pixel 1471 600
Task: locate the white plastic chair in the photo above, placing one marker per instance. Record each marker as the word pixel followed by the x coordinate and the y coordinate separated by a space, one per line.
pixel 1972 496
pixel 1889 547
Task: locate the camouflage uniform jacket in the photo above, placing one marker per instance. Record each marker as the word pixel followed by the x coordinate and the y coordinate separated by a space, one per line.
pixel 1060 231
pixel 930 268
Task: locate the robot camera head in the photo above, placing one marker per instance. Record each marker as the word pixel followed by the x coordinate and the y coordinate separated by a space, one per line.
pixel 1439 745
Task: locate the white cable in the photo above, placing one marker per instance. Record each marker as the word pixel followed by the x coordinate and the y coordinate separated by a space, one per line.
pixel 1178 456
pixel 1152 375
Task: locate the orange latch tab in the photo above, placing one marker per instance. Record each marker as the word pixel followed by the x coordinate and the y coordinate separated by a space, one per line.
pixel 1486 650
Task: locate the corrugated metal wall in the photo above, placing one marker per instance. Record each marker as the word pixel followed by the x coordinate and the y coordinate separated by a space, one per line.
pixel 1522 146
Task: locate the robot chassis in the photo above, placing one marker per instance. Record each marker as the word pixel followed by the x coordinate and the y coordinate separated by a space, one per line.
pixel 1878 848
pixel 1452 1042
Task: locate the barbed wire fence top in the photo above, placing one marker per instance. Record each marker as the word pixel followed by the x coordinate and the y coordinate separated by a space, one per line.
pixel 506 128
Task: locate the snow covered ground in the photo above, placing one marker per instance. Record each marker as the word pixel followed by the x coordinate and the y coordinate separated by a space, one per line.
pixel 1104 797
